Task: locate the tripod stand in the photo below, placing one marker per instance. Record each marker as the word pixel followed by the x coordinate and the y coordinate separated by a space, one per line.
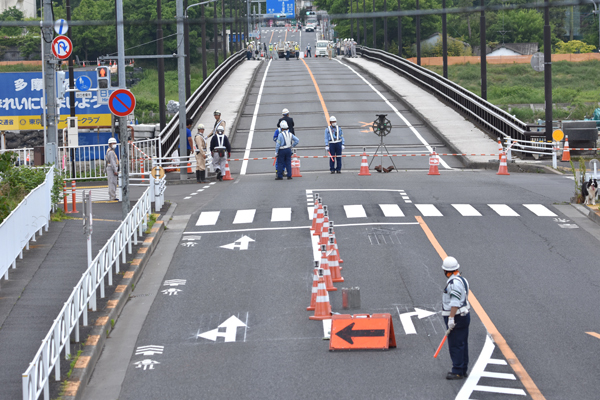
pixel 382 127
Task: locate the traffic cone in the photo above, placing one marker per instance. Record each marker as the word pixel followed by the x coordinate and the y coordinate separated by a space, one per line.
pixel 324 238
pixel 84 63
pixel 189 168
pixel 320 219
pixel 434 161
pixel 337 249
pixel 364 165
pixel 326 271
pixel 315 211
pixel 313 296
pixel 227 176
pixel 503 170
pixel 499 149
pixel 98 61
pixel 332 260
pixel 566 152
pixel 296 166
pixel 322 305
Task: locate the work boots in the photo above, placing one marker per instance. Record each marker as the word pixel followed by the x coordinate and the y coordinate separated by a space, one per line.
pixel 199 176
pixel 203 177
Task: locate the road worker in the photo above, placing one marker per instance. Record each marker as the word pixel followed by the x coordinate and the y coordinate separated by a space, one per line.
pixel 248 50
pixel 308 50
pixel 334 144
pixel 287 51
pixel 455 310
pixel 353 48
pixel 297 51
pixel 286 117
pixel 283 150
pixel 200 143
pixel 112 168
pixel 220 150
pixel 218 122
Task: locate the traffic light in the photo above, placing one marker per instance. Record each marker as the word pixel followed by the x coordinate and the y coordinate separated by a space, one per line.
pixel 60 84
pixel 103 76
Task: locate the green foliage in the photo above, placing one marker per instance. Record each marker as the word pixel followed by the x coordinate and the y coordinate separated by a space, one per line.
pixel 573 46
pixel 11 14
pixel 455 48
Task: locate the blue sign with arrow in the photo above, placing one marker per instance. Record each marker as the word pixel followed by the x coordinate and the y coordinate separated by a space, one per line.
pixel 83 83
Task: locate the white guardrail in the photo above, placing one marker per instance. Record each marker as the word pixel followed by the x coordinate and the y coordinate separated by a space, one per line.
pixel 21 225
pixel 35 379
pixel 24 155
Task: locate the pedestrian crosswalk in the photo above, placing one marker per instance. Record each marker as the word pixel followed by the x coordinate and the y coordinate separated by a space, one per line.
pixel 377 213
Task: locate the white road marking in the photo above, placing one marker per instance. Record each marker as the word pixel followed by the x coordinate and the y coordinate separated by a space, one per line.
pixel 503 210
pixel 310 211
pixel 428 210
pixel 208 218
pixel 253 123
pixel 503 390
pixel 299 227
pixel 540 210
pixel 355 211
pixel 326 328
pixel 391 210
pixel 466 210
pixel 200 190
pixel 281 215
pixel 497 361
pixel 498 375
pixel 189 197
pixel 244 216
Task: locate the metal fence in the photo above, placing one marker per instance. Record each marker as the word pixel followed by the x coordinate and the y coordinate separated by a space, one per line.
pixel 24 155
pixel 36 378
pixel 21 225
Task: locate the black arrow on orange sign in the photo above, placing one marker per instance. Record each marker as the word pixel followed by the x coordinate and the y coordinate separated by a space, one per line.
pixel 347 333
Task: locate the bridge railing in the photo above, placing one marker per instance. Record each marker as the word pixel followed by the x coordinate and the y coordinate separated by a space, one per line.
pixel 490 117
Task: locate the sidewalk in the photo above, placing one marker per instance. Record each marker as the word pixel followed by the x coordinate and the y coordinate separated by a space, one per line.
pixel 36 290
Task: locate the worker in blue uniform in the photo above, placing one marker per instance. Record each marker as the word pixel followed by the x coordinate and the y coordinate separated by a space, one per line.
pixel 283 150
pixel 334 144
pixel 455 310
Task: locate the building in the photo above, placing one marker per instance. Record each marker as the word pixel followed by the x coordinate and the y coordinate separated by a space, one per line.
pixel 508 49
pixel 27 7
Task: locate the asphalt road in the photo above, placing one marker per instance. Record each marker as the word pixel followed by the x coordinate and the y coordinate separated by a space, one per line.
pixel 533 272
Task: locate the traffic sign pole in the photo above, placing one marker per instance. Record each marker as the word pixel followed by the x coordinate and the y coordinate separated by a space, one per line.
pixel 124 152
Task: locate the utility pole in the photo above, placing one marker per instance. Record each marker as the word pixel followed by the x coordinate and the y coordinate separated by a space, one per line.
pixel 418 20
pixel 162 107
pixel 71 86
pixel 375 28
pixel 444 42
pixel 399 31
pixel 186 38
pixel 50 63
pixel 123 134
pixel 216 34
pixel 223 28
pixel 204 67
pixel 483 46
pixel 181 90
pixel 351 21
pixel 547 71
pixel 385 35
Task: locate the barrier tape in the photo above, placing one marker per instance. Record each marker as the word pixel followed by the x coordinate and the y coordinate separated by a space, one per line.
pixel 371 155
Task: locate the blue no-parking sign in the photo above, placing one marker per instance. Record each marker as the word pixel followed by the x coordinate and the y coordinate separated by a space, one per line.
pixel 121 102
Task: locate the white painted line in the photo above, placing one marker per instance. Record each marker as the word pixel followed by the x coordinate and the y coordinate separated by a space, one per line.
pixel 503 390
pixel 200 190
pixel 540 210
pixel 205 187
pixel 503 210
pixel 208 218
pixel 408 201
pixel 326 329
pixel 466 210
pixel 282 228
pixel 356 190
pixel 355 211
pixel 244 216
pixel 193 194
pixel 253 123
pixel 281 214
pixel 310 212
pixel 497 361
pixel 212 183
pixel 428 210
pixel 405 198
pixel 498 375
pixel 412 128
pixel 391 210
pixel 314 242
pixel 189 197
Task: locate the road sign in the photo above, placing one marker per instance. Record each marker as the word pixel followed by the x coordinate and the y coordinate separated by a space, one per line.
pixel 406 319
pixel 558 135
pixel 83 95
pixel 121 102
pixel 83 83
pixel 103 96
pixel 158 172
pixel 241 243
pixel 62 47
pixel 537 62
pixel 282 7
pixel 230 325
pixel 362 331
pixel 61 26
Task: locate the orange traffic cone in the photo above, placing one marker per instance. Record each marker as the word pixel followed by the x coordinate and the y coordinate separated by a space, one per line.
pixel 326 271
pixel 566 152
pixel 320 219
pixel 189 168
pixel 315 212
pixel 499 149
pixel 84 63
pixel 434 161
pixel 313 297
pixel 364 165
pixel 325 231
pixel 296 166
pixel 322 305
pixel 332 260
pixel 337 249
pixel 227 176
pixel 503 170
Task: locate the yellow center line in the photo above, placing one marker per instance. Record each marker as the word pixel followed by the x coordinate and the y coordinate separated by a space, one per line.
pixel 594 334
pixel 318 92
pixel 511 357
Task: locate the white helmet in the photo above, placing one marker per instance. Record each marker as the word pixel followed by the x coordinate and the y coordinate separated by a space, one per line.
pixel 450 264
pixel 200 126
pixel 283 124
pixel 285 111
pixel 217 112
pixel 220 128
pixel 332 119
pixel 112 140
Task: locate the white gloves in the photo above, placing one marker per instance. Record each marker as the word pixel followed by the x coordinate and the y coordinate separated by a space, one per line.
pixel 276 154
pixel 343 147
pixel 451 323
pixel 326 148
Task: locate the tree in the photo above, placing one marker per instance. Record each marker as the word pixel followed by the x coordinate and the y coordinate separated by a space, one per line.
pixel 573 46
pixel 11 14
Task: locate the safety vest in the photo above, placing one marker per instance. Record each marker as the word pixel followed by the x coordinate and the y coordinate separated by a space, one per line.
pixel 116 158
pixel 465 306
pixel 308 47
pixel 287 138
pixel 296 48
pixel 220 139
pixel 217 124
pixel 337 138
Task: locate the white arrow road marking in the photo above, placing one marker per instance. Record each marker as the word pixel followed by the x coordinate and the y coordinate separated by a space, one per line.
pixel 241 243
pixel 149 350
pixel 230 325
pixel 406 319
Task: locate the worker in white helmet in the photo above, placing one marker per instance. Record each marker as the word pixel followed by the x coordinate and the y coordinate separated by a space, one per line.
pixel 286 117
pixel 283 150
pixel 200 148
pixel 334 144
pixel 218 123
pixel 112 168
pixel 220 150
pixel 455 310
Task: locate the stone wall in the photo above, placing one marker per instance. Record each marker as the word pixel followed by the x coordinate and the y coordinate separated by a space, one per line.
pixel 18 140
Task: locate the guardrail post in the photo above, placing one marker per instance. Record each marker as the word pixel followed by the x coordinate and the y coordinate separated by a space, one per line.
pixel 82 299
pixel 67 326
pixel 109 257
pixel 554 149
pixel 508 148
pixel 45 367
pixel 76 314
pixel 56 349
pixel 120 187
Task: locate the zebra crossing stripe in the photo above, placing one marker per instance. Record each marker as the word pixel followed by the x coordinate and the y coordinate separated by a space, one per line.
pixel 428 210
pixel 539 210
pixel 281 215
pixel 355 211
pixel 466 210
pixel 207 218
pixel 503 210
pixel 244 216
pixel 391 210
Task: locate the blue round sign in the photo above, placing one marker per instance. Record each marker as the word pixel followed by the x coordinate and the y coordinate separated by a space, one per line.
pixel 121 102
pixel 83 83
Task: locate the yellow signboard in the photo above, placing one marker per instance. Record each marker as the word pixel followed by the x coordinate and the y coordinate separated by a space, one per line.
pixel 34 122
pixel 558 135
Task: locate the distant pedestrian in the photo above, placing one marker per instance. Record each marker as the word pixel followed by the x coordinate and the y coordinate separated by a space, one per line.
pixel 248 50
pixel 188 134
pixel 287 51
pixel 308 51
pixel 112 168
pixel 200 155
pixel 283 150
pixel 220 150
pixel 297 51
pixel 334 144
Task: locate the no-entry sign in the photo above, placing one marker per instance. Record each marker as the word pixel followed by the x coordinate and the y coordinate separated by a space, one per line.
pixel 121 102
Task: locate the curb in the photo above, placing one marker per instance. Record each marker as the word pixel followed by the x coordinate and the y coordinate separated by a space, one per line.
pixel 516 167
pixel 84 367
pixel 236 122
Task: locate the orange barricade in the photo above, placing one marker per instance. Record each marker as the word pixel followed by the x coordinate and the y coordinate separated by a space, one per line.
pixel 362 332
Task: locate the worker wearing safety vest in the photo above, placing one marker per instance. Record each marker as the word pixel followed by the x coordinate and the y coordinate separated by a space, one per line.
pixel 334 144
pixel 200 147
pixel 218 123
pixel 112 168
pixel 455 310
pixel 297 51
pixel 220 149
pixel 283 150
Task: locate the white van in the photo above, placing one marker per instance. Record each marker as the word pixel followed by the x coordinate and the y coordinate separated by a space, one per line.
pixel 321 48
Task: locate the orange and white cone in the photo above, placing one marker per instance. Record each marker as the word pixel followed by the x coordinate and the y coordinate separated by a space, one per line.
pixel 98 61
pixel 296 166
pixel 320 219
pixel 326 271
pixel 332 260
pixel 566 156
pixel 364 165
pixel 324 239
pixel 503 170
pixel 322 305
pixel 315 212
pixel 499 149
pixel 227 176
pixel 189 168
pixel 434 162
pixel 313 296
pixel 337 249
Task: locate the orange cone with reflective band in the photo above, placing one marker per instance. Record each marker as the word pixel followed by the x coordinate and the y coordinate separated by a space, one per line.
pixel 499 149
pixel 320 219
pixel 227 176
pixel 503 170
pixel 326 271
pixel 337 249
pixel 325 231
pixel 434 161
pixel 296 166
pixel 315 212
pixel 313 296
pixel 189 168
pixel 566 152
pixel 332 260
pixel 322 306
pixel 364 165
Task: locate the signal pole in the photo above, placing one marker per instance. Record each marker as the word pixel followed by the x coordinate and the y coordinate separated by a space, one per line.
pixel 51 153
pixel 123 134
